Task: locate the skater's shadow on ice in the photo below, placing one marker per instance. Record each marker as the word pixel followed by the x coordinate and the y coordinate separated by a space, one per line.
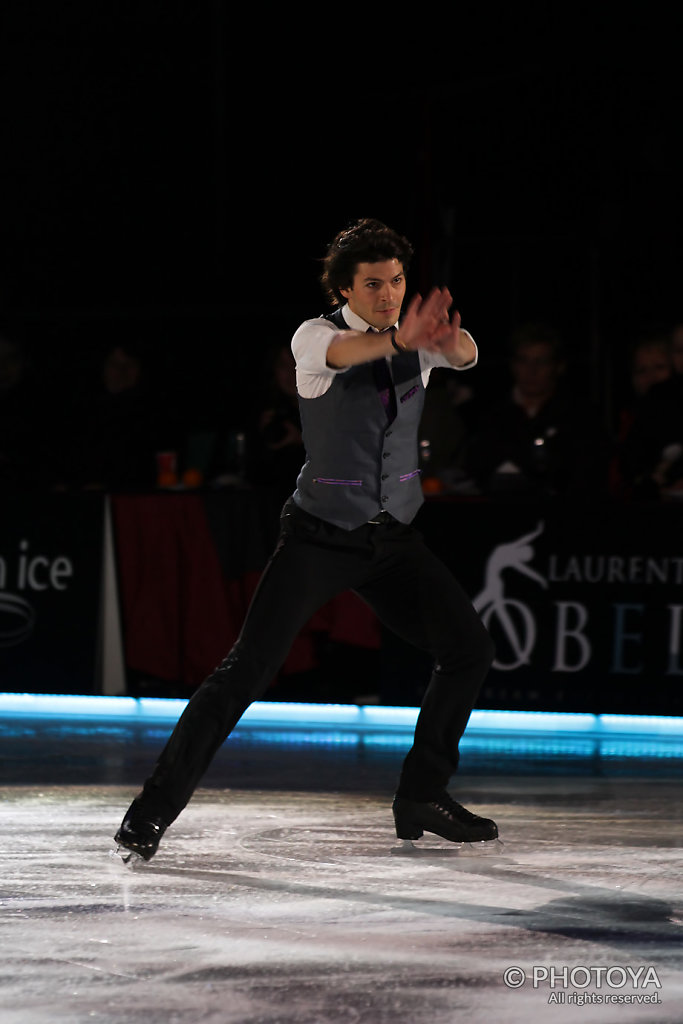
pixel 613 919
pixel 620 919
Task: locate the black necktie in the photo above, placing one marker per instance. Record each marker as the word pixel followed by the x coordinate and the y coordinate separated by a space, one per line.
pixel 385 387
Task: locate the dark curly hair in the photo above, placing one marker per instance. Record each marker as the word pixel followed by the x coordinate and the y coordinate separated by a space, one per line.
pixel 365 241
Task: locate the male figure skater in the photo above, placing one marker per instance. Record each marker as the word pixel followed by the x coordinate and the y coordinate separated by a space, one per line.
pixel 361 380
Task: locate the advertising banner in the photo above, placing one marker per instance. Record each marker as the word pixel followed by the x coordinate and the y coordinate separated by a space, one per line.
pixel 584 603
pixel 50 585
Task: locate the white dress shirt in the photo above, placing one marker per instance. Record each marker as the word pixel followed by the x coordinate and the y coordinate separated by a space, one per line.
pixel 313 338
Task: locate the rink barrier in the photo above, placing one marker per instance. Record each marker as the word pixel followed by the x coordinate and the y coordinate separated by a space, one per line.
pixel 512 732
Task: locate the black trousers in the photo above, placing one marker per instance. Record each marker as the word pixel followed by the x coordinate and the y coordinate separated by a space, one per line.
pixel 412 593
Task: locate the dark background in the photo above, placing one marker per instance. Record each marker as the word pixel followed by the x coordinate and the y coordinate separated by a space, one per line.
pixel 175 169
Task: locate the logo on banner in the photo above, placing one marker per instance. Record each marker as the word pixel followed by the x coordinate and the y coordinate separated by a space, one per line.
pixel 17 618
pixel 515 619
pixel 573 634
pixel 29 574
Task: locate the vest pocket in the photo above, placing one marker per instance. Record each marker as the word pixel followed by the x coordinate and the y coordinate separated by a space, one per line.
pixel 335 482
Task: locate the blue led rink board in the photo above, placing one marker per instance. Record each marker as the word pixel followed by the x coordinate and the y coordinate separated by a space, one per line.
pixel 505 732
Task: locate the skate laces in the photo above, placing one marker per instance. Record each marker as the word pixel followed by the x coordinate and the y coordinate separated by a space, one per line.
pixel 446 802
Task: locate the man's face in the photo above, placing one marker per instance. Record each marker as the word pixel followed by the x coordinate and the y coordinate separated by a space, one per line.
pixel 377 292
pixel 650 366
pixel 535 371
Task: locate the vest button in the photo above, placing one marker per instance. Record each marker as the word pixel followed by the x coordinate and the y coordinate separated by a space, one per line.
pixel 385 476
pixel 385 455
pixel 384 499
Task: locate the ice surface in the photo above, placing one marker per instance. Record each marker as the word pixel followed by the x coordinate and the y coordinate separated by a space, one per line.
pixel 297 905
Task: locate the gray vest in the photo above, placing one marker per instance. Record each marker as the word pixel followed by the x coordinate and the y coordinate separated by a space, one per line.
pixel 357 462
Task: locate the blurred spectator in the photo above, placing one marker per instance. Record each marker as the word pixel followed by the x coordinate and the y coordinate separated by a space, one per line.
pixel 541 439
pixel 444 429
pixel 677 349
pixel 652 460
pixel 650 363
pixel 24 435
pixel 277 451
pixel 114 429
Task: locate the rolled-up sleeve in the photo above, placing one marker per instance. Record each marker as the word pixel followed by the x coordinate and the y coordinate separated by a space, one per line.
pixel 430 360
pixel 309 347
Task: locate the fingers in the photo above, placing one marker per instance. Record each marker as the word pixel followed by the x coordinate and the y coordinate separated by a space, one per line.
pixel 426 322
pixel 435 304
pixel 413 305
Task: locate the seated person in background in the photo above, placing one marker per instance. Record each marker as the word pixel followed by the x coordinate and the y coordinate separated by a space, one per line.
pixel 444 429
pixel 652 460
pixel 541 439
pixel 277 449
pixel 650 363
pixel 114 425
pixel 677 349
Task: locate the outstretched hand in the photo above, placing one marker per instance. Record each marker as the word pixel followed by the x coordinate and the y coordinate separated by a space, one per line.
pixel 426 324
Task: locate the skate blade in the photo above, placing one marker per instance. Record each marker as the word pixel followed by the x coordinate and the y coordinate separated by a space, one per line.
pixel 130 859
pixel 483 848
pixel 404 848
pixel 407 848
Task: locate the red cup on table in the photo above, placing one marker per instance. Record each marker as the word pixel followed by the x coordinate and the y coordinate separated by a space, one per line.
pixel 167 469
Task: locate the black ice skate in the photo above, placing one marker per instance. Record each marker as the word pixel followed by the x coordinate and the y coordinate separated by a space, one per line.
pixel 444 817
pixel 139 835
